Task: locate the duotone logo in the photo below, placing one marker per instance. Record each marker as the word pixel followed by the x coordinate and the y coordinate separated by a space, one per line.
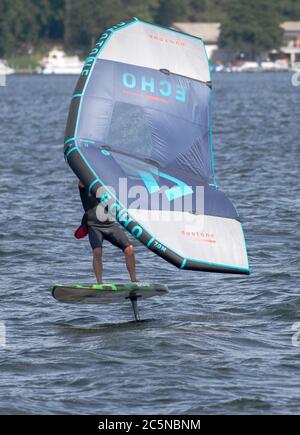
pixel 2 334
pixel 296 335
pixel 296 75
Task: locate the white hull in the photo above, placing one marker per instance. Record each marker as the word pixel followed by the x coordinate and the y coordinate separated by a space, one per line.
pixel 59 63
pixel 5 69
pixel 57 70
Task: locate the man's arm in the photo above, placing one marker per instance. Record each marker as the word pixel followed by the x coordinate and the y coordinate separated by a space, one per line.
pixel 84 220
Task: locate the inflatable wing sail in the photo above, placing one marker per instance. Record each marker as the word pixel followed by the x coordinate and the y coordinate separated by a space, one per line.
pixel 139 137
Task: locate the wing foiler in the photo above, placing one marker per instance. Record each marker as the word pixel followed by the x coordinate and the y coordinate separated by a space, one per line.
pixel 139 136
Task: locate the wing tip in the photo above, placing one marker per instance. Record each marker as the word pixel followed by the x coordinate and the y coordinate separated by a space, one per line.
pixel 188 264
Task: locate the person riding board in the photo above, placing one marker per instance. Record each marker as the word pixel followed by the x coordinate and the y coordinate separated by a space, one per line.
pixel 104 229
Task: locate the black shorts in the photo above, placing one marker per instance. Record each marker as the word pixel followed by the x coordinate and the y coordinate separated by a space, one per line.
pixel 113 233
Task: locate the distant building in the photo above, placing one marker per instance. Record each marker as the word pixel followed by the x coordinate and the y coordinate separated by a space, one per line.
pixel 292 41
pixel 210 32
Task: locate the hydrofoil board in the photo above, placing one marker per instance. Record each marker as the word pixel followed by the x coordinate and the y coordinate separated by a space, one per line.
pixel 106 293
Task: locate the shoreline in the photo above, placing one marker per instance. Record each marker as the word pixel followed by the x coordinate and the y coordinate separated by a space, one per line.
pixel 24 72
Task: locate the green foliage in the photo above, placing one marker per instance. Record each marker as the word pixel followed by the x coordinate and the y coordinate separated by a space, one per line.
pixel 207 10
pixel 190 10
pixel 170 11
pixel 24 62
pixel 251 26
pixel 85 21
pixel 18 25
pixel 290 10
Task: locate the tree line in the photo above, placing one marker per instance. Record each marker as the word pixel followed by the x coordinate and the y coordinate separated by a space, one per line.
pixel 248 25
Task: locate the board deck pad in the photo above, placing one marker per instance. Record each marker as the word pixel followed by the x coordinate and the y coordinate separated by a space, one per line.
pixel 106 293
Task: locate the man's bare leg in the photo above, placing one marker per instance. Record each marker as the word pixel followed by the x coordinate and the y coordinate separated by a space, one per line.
pixel 97 264
pixel 130 262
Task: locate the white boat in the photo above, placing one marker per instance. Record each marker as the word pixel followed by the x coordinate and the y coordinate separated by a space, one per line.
pixel 246 67
pixel 57 62
pixel 274 66
pixel 5 70
pixel 278 65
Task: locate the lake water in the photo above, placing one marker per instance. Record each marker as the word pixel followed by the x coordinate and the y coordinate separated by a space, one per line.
pixel 215 343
